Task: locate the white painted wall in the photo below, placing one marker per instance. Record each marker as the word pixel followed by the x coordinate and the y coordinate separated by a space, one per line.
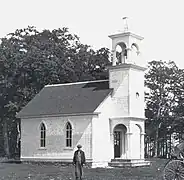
pixel 102 146
pixel 136 85
pixel 126 82
pixel 119 81
pixel 55 138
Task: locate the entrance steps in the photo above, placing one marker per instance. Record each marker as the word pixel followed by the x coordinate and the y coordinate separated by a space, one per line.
pixel 128 162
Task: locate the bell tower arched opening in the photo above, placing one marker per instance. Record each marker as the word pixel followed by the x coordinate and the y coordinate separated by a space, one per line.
pixel 135 53
pixel 121 53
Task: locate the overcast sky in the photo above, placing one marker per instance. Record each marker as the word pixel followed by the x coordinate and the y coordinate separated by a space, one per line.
pixel 160 22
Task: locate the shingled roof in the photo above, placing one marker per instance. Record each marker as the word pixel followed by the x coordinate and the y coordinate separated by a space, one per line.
pixel 70 98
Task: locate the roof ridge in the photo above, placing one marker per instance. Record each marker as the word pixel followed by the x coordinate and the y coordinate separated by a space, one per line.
pixel 75 83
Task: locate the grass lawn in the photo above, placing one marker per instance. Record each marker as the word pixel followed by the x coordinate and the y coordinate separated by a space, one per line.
pixel 12 171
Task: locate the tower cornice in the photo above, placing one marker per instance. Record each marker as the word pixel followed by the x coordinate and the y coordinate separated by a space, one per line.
pixel 127 66
pixel 123 34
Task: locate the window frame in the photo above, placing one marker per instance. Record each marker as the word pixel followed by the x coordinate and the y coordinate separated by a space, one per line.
pixel 42 135
pixel 68 135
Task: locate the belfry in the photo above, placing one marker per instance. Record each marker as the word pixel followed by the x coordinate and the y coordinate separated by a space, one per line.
pixel 126 78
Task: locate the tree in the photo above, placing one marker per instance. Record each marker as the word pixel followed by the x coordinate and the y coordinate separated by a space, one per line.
pixel 30 59
pixel 161 79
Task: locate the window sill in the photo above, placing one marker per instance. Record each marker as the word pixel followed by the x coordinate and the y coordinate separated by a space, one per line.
pixel 42 148
pixel 68 148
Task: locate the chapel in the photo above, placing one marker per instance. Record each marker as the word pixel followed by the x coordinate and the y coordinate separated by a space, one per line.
pixel 106 116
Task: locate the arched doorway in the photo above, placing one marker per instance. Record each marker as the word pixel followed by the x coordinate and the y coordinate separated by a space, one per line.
pixel 120 141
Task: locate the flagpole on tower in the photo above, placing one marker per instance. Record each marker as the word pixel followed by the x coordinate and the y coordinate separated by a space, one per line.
pixel 125 24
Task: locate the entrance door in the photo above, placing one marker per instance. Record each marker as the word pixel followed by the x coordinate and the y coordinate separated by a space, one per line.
pixel 117 144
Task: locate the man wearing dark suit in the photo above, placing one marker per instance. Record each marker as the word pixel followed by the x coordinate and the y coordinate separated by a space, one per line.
pixel 79 160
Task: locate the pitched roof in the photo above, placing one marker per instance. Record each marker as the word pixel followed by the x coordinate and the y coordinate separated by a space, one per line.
pixel 70 98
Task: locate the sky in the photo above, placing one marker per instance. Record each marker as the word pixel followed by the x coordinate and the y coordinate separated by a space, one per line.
pixel 160 22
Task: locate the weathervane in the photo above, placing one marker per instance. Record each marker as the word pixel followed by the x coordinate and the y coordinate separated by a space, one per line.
pixel 125 24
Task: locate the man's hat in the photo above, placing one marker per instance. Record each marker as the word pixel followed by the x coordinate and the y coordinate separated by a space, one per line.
pixel 79 146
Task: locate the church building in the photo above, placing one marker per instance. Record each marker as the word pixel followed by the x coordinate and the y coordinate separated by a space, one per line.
pixel 106 116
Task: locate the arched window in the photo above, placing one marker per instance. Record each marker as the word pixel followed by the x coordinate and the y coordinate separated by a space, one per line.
pixel 68 135
pixel 42 135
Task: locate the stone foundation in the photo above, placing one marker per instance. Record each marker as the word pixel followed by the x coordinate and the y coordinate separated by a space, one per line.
pixel 90 163
pixel 61 162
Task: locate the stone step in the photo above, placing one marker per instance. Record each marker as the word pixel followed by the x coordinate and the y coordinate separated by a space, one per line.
pixel 128 163
pixel 126 160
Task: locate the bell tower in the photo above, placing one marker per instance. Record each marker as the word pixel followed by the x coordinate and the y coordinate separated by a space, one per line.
pixel 126 78
pixel 126 75
pixel 130 45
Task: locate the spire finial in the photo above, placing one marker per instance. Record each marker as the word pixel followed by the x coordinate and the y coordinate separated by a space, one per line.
pixel 125 24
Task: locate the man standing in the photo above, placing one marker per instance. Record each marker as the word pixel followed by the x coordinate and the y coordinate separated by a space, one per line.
pixel 79 160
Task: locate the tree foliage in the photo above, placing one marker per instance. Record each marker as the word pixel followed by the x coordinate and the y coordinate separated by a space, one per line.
pixel 30 59
pixel 164 103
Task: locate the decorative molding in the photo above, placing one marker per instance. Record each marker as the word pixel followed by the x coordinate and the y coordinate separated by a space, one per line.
pixel 128 49
pixel 127 118
pixel 59 115
pixel 42 148
pixel 66 84
pixel 143 133
pixel 125 34
pixel 129 133
pixel 127 66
